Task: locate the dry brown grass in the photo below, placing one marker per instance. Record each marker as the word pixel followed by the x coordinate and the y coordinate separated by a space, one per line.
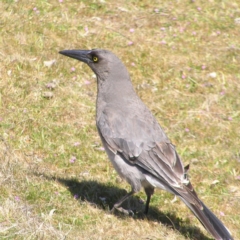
pixel 175 46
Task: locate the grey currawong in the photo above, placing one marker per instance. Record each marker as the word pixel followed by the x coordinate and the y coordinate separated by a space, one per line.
pixel 136 145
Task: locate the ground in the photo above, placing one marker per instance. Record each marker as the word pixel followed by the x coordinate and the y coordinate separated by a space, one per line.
pixel 55 179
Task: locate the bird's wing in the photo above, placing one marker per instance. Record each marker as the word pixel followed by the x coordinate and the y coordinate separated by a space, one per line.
pixel 142 142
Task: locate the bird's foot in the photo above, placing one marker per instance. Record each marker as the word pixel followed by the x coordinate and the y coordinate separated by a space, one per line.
pixel 127 212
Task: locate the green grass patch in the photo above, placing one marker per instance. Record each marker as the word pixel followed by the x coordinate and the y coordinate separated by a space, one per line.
pixel 183 57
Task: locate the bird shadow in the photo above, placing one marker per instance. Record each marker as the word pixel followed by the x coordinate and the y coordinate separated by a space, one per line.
pixel 103 196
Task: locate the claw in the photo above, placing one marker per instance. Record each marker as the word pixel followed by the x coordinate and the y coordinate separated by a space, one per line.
pixel 127 212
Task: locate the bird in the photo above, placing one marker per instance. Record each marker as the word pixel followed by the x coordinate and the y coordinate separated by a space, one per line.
pixel 135 143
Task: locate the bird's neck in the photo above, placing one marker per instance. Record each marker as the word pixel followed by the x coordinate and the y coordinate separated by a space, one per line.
pixel 115 93
pixel 111 90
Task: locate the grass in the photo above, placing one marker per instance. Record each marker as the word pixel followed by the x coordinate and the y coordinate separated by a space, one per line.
pixel 55 180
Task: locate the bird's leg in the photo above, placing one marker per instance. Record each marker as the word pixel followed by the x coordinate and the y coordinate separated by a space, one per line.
pixel 149 191
pixel 147 204
pixel 119 203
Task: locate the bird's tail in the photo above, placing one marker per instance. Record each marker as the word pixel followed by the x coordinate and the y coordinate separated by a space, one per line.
pixel 212 224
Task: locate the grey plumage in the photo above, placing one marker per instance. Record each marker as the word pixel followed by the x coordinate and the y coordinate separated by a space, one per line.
pixel 136 145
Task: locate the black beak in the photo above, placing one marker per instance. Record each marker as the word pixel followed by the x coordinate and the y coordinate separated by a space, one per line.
pixel 81 55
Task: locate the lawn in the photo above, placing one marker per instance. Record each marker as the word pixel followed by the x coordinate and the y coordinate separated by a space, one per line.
pixel 56 181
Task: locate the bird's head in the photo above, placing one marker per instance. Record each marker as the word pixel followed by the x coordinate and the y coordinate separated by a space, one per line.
pixel 102 62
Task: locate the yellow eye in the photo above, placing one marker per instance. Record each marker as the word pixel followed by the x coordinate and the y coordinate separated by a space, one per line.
pixel 95 59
